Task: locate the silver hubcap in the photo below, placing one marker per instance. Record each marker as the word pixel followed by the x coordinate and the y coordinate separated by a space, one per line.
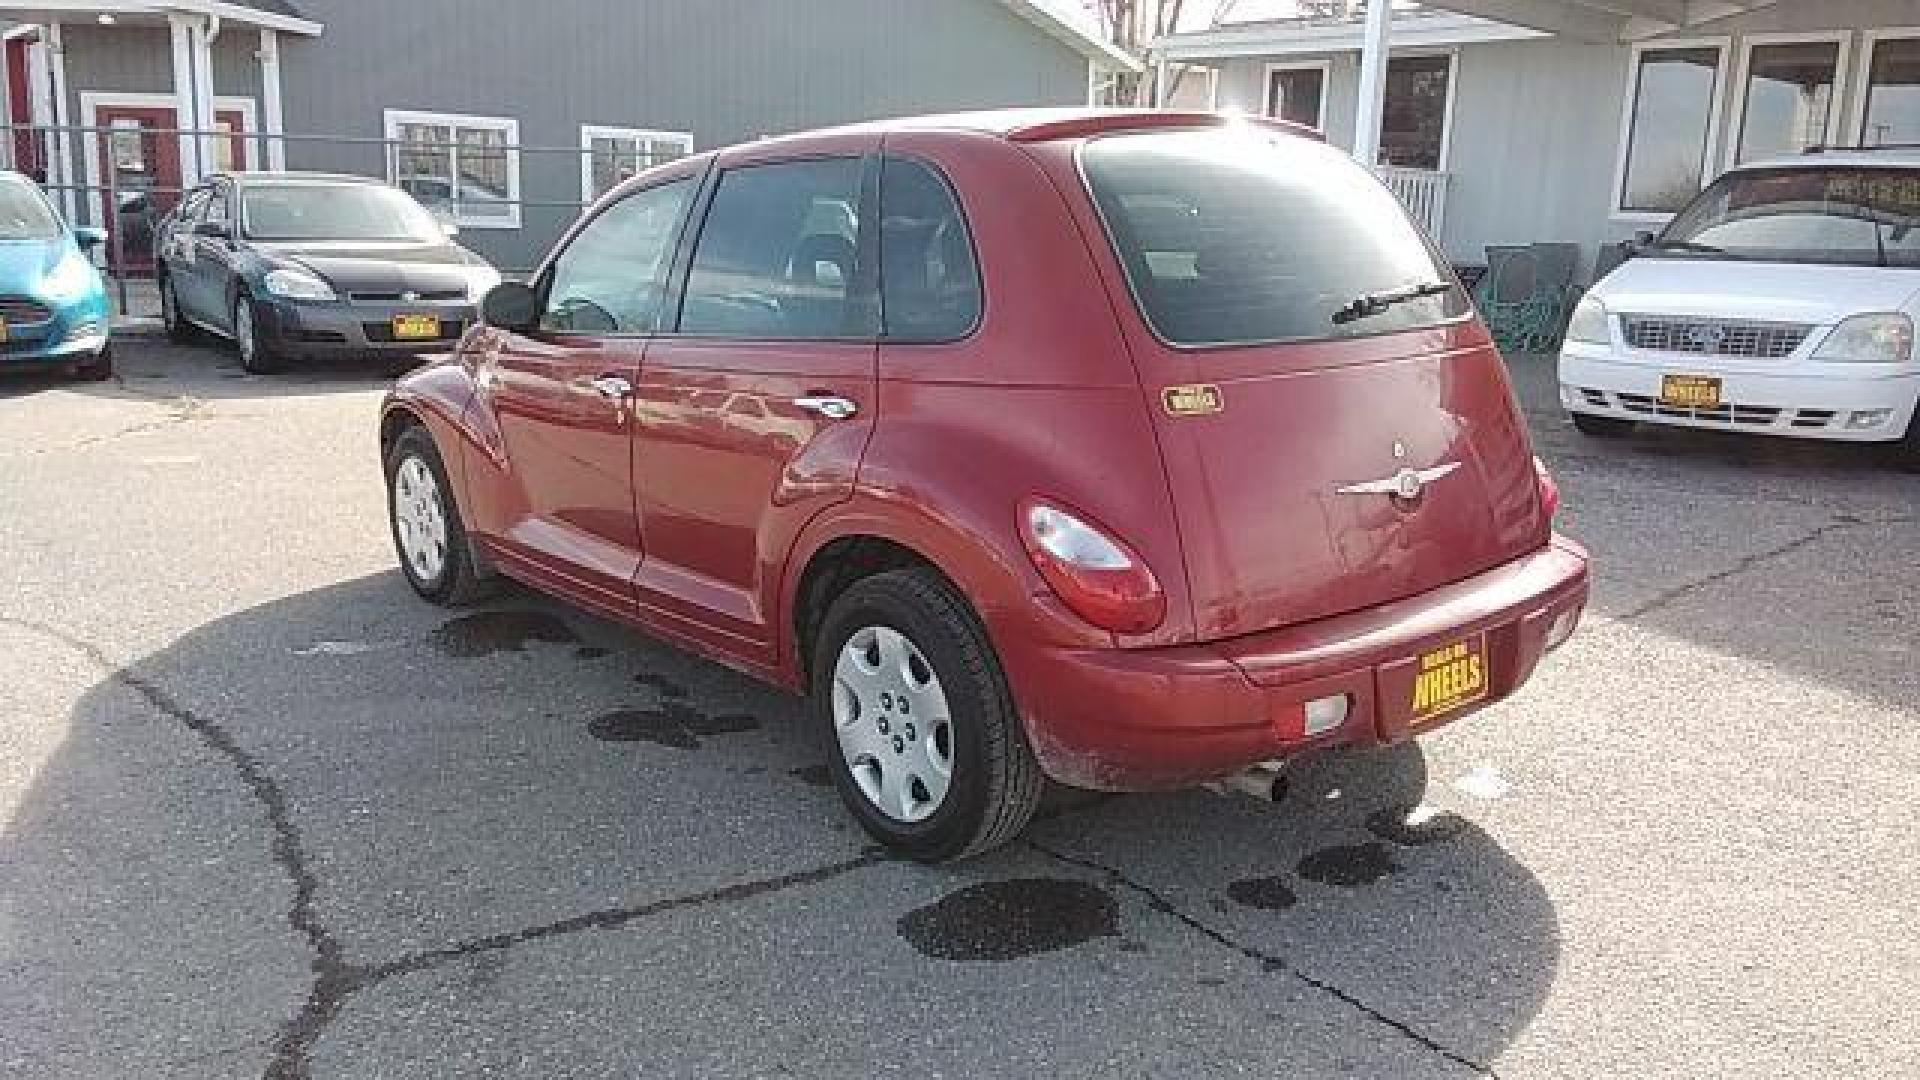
pixel 418 517
pixel 243 329
pixel 892 720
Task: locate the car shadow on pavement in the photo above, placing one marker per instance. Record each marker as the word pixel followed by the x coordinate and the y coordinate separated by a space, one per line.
pixel 154 366
pixel 235 849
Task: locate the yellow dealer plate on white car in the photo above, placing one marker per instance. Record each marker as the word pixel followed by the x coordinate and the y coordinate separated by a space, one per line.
pixel 1690 391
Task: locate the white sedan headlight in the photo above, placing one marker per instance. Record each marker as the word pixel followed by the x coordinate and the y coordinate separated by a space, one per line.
pixel 298 285
pixel 1881 338
pixel 1589 323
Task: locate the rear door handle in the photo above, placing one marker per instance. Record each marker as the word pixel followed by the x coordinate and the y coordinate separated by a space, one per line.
pixel 833 408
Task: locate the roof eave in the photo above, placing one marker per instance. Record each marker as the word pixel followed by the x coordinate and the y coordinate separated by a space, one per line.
pixel 1095 48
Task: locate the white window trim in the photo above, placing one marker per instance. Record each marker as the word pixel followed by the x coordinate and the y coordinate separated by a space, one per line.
pixel 1856 123
pixel 92 100
pixel 1453 94
pixel 507 125
pixel 1743 69
pixel 590 132
pixel 1324 66
pixel 1716 113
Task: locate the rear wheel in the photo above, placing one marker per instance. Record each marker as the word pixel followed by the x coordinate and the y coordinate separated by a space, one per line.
pixel 924 741
pixel 428 533
pixel 178 328
pixel 1603 427
pixel 257 356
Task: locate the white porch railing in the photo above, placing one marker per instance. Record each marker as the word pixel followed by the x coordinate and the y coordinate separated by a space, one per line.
pixel 1422 191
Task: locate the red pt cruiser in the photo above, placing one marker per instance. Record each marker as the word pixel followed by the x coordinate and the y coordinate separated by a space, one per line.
pixel 1132 450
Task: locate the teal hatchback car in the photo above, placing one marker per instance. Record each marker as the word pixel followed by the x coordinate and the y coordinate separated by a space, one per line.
pixel 53 304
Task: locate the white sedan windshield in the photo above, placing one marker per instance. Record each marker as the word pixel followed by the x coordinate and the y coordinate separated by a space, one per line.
pixel 1844 215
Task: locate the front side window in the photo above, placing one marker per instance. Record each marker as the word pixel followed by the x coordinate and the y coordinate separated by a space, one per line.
pixel 1247 237
pixel 24 212
pixel 1790 97
pixel 615 154
pixel 308 211
pixel 929 284
pixel 611 279
pixel 466 168
pixel 1296 95
pixel 1667 133
pixel 1893 93
pixel 1413 127
pixel 778 254
pixel 1840 215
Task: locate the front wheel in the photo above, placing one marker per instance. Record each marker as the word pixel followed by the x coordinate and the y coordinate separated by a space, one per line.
pixel 428 533
pixel 1602 427
pixel 178 328
pixel 924 741
pixel 257 356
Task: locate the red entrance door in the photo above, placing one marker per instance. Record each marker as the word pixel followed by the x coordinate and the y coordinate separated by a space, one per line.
pixel 140 170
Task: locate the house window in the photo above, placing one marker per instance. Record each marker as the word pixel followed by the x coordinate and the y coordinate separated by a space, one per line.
pixel 612 154
pixel 1893 93
pixel 466 168
pixel 1789 98
pixel 1413 129
pixel 1298 95
pixel 1669 127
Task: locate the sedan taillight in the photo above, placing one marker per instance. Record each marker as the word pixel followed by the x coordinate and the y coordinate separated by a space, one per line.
pixel 1094 573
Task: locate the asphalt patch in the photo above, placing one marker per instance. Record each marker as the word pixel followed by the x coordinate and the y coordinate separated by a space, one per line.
pixel 997 921
pixel 1415 827
pixel 1349 866
pixel 817 775
pixel 485 633
pixel 1263 893
pixel 672 725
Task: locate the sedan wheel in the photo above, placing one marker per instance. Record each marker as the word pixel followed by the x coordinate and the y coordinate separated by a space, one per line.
pixel 419 520
pixel 178 328
pixel 428 533
pixel 256 357
pixel 895 731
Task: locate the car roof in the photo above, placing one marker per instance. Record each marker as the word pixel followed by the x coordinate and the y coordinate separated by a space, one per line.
pixel 1897 157
pixel 1036 125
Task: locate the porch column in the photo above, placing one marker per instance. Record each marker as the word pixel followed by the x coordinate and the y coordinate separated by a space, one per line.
pixel 61 167
pixel 202 35
pixel 272 120
pixel 185 108
pixel 1373 83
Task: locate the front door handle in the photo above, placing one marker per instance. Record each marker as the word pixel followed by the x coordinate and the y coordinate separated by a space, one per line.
pixel 612 386
pixel 833 408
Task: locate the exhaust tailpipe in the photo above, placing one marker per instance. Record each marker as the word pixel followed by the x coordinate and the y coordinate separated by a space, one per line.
pixel 1262 783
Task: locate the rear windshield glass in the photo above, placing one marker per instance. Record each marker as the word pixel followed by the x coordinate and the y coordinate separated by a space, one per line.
pixel 1242 236
pixel 1841 215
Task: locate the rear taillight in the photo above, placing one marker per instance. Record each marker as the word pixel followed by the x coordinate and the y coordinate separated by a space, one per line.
pixel 1094 573
pixel 1549 488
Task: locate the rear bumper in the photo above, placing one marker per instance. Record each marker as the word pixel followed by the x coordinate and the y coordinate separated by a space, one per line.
pixel 1123 720
pixel 330 329
pixel 1801 401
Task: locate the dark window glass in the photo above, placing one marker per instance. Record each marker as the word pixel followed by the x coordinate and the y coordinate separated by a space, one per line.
pixel 611 279
pixel 777 255
pixel 1667 144
pixel 1294 95
pixel 1851 216
pixel 1413 129
pixel 929 285
pixel 1790 94
pixel 1893 93
pixel 1241 237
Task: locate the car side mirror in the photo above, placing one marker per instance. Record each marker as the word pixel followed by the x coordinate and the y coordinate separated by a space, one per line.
pixel 89 238
pixel 511 305
pixel 216 230
pixel 1642 240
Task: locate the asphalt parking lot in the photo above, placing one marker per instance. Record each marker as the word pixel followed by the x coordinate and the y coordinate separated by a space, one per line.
pixel 263 813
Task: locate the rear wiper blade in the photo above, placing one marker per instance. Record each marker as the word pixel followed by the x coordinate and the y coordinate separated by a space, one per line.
pixel 1374 303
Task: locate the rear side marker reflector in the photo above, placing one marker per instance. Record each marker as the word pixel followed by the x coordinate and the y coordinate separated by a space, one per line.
pixel 1326 714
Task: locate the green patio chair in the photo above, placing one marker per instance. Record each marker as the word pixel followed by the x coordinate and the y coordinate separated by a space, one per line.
pixel 1528 294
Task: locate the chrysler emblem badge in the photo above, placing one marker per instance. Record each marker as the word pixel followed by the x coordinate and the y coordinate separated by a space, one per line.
pixel 1406 485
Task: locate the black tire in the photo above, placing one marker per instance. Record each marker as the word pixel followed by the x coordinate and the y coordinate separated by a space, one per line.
pixel 257 356
pixel 1603 427
pixel 1905 454
pixel 996 783
pixel 97 369
pixel 459 580
pixel 179 330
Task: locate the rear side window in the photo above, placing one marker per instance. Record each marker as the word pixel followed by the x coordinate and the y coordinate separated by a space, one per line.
pixel 777 257
pixel 1245 237
pixel 929 282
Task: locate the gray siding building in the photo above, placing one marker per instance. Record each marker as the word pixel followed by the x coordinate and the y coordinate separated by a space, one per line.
pixel 505 116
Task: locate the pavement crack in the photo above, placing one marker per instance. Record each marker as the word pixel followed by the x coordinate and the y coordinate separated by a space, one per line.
pixel 1840 523
pixel 1270 962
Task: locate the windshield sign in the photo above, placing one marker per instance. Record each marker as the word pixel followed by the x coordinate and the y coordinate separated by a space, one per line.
pixel 301 212
pixel 1841 215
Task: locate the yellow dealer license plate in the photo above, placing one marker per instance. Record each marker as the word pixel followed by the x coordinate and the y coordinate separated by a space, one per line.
pixel 1690 391
pixel 1450 679
pixel 416 327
